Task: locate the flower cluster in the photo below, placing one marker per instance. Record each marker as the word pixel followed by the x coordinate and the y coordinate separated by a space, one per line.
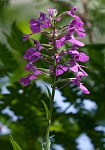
pixel 58 59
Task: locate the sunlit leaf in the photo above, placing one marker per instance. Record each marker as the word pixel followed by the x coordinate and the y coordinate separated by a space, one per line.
pixel 14 144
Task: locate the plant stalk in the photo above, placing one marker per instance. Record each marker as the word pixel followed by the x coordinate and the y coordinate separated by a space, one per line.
pixel 47 144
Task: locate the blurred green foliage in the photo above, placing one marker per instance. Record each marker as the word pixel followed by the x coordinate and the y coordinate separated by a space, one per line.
pixel 30 125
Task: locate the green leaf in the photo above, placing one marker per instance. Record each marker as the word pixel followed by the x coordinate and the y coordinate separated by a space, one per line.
pixel 14 144
pixel 18 43
pixel 7 62
pixel 49 93
pixel 46 109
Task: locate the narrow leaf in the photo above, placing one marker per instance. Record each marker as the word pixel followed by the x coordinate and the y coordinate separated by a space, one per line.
pixel 46 109
pixel 49 93
pixel 14 144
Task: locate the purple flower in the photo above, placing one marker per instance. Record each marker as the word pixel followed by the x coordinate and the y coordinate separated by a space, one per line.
pixel 42 17
pixel 82 57
pixel 37 72
pixel 35 26
pixel 29 66
pixel 35 56
pixel 60 69
pixel 77 25
pixel 26 37
pixel 52 12
pixel 26 80
pixel 29 53
pixel 59 19
pixel 73 52
pixel 37 44
pixel 72 11
pixel 41 22
pixel 60 42
pixel 84 89
pixel 74 68
pixel 44 21
pixel 75 41
pixel 77 82
pixel 32 55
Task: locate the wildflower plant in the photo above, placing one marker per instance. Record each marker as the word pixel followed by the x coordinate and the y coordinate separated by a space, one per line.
pixel 59 60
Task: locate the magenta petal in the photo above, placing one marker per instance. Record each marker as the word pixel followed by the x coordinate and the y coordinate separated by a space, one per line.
pixel 59 72
pixel 84 89
pixel 29 53
pixel 74 68
pixel 79 75
pixel 74 41
pixel 32 77
pixel 74 52
pixel 81 29
pixel 45 25
pixel 59 19
pixel 26 37
pixel 83 57
pixel 29 66
pixel 76 82
pixel 42 17
pixel 25 80
pixel 60 42
pixel 72 62
pixel 37 44
pixel 52 12
pixel 79 22
pixel 37 72
pixel 72 12
pixel 34 26
pixel 85 74
pixel 61 69
pixel 36 54
pixel 81 34
pixel 65 68
pixel 33 21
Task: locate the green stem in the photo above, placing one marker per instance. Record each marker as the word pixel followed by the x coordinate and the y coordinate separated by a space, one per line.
pixel 47 144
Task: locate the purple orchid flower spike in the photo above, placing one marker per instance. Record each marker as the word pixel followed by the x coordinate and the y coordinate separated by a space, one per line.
pixel 57 58
pixel 54 49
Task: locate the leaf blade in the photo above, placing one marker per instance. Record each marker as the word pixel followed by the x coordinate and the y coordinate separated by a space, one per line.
pixel 14 144
pixel 46 109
